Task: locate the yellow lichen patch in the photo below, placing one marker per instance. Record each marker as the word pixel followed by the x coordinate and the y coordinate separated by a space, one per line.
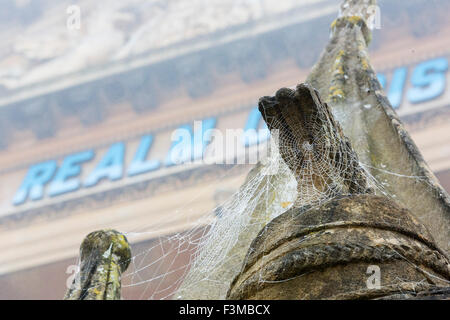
pixel 285 204
pixel 96 291
pixel 341 22
pixel 340 54
pixel 336 93
pixel 339 71
pixel 364 63
pixel 354 19
pixel 338 61
pixel 122 242
pixel 338 77
pixel 333 24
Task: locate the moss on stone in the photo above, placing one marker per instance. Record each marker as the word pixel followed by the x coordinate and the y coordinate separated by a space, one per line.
pixel 105 255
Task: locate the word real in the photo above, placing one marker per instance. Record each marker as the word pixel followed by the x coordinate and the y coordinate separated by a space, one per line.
pixel 188 146
pixel 427 82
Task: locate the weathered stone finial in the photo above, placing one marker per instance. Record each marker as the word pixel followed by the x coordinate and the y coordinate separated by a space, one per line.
pixel 312 144
pixel 104 255
pixel 321 250
pixel 325 252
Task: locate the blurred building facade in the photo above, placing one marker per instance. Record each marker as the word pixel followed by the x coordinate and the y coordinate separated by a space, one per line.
pixel 85 135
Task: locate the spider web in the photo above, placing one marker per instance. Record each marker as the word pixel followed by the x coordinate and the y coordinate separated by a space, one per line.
pixel 218 241
pixel 304 169
pixel 201 262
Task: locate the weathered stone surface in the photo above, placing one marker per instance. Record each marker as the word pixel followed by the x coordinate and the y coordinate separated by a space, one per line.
pixel 324 253
pixel 347 82
pixel 104 255
pixel 428 294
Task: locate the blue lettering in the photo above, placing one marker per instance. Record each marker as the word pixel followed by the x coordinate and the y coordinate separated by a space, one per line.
pixel 34 182
pixel 251 136
pixel 70 168
pixel 382 79
pixel 397 85
pixel 139 164
pixel 428 80
pixel 110 167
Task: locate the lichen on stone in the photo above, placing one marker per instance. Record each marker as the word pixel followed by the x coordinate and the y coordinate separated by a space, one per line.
pixel 105 255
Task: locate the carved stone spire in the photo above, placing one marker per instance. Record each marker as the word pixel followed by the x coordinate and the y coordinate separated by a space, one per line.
pixel 324 252
pixel 348 84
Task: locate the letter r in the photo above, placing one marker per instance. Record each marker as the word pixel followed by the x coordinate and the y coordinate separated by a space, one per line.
pixel 34 182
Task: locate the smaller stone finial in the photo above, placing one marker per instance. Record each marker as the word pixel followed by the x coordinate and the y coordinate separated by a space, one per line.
pixel 104 255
